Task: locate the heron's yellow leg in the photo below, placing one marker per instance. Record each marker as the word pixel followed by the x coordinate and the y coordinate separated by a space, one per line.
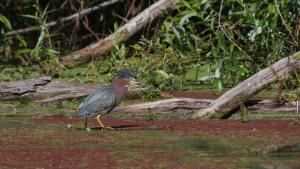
pixel 101 124
pixel 99 121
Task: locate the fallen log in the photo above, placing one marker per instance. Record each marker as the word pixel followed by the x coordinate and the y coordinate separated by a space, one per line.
pixel 19 89
pixel 44 89
pixel 65 19
pixel 124 33
pixel 182 106
pixel 223 106
pixel 187 107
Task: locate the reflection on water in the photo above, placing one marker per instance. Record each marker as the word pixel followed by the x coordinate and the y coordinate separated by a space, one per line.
pixel 265 166
pixel 166 144
pixel 5 124
pixel 208 146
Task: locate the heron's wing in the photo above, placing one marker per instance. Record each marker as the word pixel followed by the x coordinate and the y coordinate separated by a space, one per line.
pixel 103 100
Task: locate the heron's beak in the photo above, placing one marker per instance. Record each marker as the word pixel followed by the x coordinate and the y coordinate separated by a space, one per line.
pixel 134 84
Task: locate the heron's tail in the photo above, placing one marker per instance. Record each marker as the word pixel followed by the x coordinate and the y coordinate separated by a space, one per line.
pixel 82 112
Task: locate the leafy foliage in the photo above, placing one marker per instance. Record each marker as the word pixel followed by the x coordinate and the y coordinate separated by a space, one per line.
pixel 236 38
pixel 201 42
pixel 5 22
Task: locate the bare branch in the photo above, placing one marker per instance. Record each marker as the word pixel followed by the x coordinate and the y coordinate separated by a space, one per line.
pixel 122 34
pixel 281 17
pixel 65 19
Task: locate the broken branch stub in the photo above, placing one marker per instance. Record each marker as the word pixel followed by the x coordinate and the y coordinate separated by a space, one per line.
pixel 225 104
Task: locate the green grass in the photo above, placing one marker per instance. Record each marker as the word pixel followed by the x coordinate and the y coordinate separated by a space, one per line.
pixel 269 115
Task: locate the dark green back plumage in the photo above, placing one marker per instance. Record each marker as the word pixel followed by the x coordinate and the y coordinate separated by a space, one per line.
pixel 101 101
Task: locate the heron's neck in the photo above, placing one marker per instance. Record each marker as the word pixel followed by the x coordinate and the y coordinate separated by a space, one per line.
pixel 120 90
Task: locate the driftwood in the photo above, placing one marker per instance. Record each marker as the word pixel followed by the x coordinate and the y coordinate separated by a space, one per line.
pixel 124 33
pixel 65 19
pixel 223 106
pixel 43 89
pixel 187 106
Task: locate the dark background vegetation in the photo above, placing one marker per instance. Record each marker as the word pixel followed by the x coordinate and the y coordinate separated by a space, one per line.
pixel 202 42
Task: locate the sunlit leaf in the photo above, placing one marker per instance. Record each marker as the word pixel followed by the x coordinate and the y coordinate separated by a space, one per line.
pixel 176 33
pixel 5 21
pixel 220 86
pixel 30 16
pixel 186 17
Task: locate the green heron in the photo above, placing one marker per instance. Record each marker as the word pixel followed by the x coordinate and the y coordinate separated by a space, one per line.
pixel 105 99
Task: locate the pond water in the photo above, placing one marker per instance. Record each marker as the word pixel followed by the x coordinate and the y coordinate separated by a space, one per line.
pixel 61 142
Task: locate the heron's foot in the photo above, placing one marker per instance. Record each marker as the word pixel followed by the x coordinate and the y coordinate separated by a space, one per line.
pixel 105 127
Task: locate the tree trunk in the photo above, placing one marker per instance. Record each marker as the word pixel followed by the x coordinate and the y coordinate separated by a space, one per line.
pixel 223 106
pixel 124 33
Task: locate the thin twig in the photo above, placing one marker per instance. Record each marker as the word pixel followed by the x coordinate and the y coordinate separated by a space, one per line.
pixel 121 17
pixel 87 27
pixel 282 19
pixel 220 11
pixel 65 19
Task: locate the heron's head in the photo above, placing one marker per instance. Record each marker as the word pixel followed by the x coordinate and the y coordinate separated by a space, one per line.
pixel 125 74
pixel 127 79
pixel 125 84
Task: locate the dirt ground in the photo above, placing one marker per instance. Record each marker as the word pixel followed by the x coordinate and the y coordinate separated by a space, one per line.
pixel 61 142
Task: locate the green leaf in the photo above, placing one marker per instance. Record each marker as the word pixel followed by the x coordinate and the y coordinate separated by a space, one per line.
pixel 30 16
pixel 176 33
pixel 5 21
pixel 220 85
pixel 297 56
pixel 163 74
pixel 186 17
pixel 52 51
pixel 25 51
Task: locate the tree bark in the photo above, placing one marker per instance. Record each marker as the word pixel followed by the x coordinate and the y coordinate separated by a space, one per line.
pixel 181 106
pixel 124 33
pixel 20 89
pixel 223 106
